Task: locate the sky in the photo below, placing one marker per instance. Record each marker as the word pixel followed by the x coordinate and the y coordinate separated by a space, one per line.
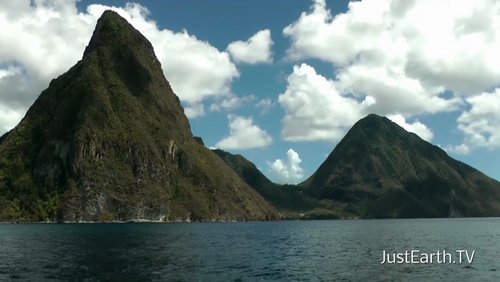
pixel 281 82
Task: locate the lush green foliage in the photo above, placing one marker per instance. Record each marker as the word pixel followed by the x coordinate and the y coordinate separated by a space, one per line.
pixel 108 140
pixel 293 202
pixel 388 172
pixel 380 170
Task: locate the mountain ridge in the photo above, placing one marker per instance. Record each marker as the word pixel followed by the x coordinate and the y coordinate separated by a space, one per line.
pixel 109 141
pixel 379 170
pixel 291 200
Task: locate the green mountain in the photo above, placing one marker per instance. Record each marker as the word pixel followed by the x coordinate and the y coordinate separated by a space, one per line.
pixel 292 201
pixel 108 140
pixel 381 170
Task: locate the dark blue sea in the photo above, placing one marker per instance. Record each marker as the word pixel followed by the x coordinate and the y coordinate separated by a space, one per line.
pixel 341 250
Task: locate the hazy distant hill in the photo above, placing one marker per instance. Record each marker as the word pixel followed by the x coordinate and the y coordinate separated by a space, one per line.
pixel 108 140
pixel 386 171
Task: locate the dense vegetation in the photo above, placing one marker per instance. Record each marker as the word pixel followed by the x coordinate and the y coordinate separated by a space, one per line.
pixel 389 172
pixel 293 202
pixel 108 140
pixel 379 170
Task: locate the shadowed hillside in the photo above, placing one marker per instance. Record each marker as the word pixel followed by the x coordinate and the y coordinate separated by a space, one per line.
pixel 292 201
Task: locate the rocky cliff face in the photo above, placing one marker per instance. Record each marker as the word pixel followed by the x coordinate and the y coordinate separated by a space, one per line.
pixel 108 140
pixel 384 171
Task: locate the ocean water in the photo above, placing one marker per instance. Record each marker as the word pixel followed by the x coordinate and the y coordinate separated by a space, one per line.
pixel 341 250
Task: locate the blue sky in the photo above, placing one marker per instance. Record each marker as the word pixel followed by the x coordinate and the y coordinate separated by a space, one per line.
pixel 314 68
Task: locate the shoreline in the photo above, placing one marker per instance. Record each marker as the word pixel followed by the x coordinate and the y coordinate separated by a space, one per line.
pixel 147 221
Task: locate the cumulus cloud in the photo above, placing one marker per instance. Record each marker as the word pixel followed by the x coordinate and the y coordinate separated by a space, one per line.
pixel 370 45
pixel 461 149
pixel 244 134
pixel 257 49
pixel 416 127
pixel 264 105
pixel 289 170
pixel 456 52
pixel 231 102
pixel 405 57
pixel 8 119
pixel 194 110
pixel 42 39
pixel 39 42
pixel 393 92
pixel 315 110
pixel 481 123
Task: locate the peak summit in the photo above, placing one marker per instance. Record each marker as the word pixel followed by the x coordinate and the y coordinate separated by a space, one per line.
pixel 374 120
pixel 114 32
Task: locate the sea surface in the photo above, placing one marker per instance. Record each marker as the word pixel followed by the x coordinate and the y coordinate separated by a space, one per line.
pixel 336 250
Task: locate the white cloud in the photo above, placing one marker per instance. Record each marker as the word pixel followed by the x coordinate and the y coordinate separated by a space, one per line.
pixel 481 124
pixel 195 69
pixel 315 110
pixel 392 91
pixel 43 39
pixel 243 134
pixel 16 88
pixel 404 57
pixel 457 52
pixel 8 119
pixel 417 127
pixel 370 45
pixel 461 149
pixel 39 42
pixel 264 105
pixel 194 110
pixel 231 103
pixel 289 170
pixel 257 49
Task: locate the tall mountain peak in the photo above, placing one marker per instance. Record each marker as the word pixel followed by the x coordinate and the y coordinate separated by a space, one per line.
pixel 112 31
pixel 386 171
pixel 374 119
pixel 376 125
pixel 108 140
